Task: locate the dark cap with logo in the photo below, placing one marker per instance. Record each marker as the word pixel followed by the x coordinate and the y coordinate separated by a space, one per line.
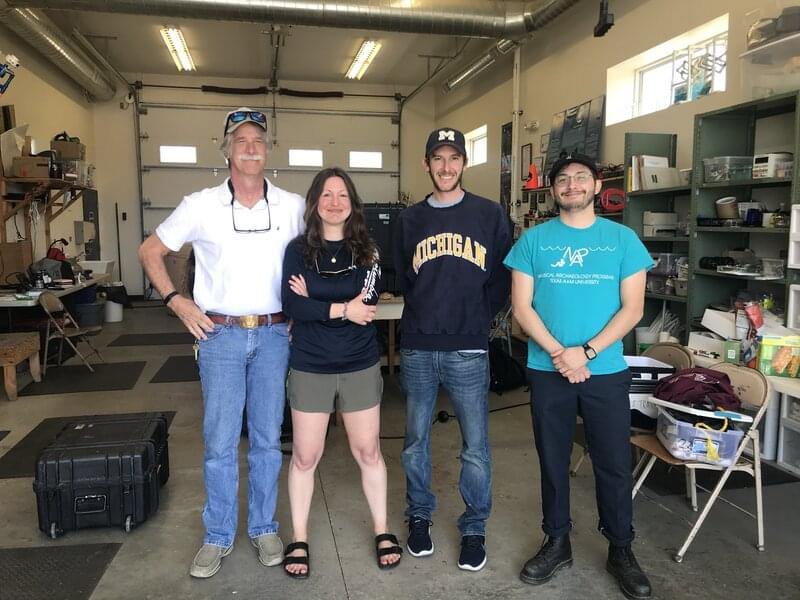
pixel 569 159
pixel 446 136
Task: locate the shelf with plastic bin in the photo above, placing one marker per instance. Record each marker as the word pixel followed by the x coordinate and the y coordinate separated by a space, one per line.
pixel 765 230
pixel 710 273
pixel 777 50
pixel 666 238
pixel 739 183
pixel 667 297
pixel 680 189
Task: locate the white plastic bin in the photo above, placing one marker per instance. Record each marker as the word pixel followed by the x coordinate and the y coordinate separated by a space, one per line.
pixel 687 442
pixel 113 312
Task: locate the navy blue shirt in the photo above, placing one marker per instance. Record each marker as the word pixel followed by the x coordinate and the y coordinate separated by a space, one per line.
pixel 449 263
pixel 321 344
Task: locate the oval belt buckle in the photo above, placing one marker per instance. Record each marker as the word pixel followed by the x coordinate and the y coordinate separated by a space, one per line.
pixel 248 321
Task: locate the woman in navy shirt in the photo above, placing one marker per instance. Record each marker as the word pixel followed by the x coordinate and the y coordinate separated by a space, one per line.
pixel 330 279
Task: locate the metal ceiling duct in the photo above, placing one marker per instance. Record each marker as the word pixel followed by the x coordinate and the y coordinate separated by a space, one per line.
pixel 534 20
pixel 40 32
pixel 471 18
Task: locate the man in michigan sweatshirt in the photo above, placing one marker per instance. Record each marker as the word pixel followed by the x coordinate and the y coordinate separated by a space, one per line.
pixel 448 254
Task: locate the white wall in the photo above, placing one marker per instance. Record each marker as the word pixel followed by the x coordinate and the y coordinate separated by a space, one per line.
pixel 564 65
pixel 49 102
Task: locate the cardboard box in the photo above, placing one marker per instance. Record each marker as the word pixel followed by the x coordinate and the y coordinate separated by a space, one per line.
pixel 68 150
pixel 780 355
pixel 721 323
pixel 17 256
pixel 31 166
pixel 707 344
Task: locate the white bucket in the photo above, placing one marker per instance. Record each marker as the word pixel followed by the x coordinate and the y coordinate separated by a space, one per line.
pixel 113 312
pixel 645 338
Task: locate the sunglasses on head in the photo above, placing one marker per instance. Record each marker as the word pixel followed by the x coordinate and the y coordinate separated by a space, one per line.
pixel 245 115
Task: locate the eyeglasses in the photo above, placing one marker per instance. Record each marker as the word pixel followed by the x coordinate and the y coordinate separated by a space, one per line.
pixel 233 212
pixel 245 115
pixel 580 178
pixel 340 272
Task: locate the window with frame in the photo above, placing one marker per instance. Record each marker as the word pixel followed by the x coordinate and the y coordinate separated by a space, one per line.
pixel 366 160
pixel 178 154
pixel 687 74
pixel 681 69
pixel 305 158
pixel 477 146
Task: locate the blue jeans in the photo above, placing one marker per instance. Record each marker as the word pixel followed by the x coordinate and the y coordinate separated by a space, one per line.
pixel 241 367
pixel 465 377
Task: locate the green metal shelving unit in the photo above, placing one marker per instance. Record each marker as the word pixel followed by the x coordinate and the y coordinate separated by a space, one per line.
pixel 734 131
pixel 661 200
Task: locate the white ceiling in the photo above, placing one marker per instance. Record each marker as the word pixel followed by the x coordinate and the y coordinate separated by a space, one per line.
pixel 132 44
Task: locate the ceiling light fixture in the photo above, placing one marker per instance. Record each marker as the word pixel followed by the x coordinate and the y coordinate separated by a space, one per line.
pixel 369 49
pixel 176 45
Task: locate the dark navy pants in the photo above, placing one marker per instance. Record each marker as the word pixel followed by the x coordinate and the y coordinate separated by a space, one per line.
pixel 603 403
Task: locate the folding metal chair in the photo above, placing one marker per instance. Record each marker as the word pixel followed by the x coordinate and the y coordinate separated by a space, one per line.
pixel 669 353
pixel 61 325
pixel 752 388
pixel 501 325
pixel 672 354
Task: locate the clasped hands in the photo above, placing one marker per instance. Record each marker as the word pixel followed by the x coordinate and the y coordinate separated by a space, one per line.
pixel 571 363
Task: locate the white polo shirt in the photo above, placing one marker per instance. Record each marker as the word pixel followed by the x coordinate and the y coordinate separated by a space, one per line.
pixel 236 273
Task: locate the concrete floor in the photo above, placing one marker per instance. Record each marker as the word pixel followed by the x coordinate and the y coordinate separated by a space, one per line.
pixel 154 559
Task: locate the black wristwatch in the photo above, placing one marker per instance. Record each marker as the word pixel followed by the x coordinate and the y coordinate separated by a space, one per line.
pixel 590 352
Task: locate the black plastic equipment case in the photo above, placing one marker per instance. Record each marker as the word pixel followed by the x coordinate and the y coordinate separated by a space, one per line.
pixel 101 471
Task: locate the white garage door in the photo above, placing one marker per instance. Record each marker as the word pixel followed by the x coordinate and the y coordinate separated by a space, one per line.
pixel 335 133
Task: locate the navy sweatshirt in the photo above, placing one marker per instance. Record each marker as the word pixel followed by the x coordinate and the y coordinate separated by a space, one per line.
pixel 449 263
pixel 321 344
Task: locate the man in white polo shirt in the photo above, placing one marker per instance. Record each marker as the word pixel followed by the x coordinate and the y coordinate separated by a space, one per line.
pixel 239 231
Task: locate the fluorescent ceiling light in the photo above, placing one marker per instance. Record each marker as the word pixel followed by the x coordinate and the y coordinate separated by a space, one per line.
pixel 369 49
pixel 176 45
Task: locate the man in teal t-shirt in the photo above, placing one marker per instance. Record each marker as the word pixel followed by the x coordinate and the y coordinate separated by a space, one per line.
pixel 578 287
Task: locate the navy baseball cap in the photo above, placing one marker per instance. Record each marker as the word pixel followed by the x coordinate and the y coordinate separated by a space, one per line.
pixel 446 136
pixel 568 159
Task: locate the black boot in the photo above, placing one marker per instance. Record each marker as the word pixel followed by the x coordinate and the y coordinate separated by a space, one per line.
pixel 555 553
pixel 632 580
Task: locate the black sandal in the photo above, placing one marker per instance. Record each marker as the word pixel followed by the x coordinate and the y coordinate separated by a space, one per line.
pixel 296 560
pixel 381 552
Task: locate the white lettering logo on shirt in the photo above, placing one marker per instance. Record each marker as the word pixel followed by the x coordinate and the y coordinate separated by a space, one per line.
pixel 447 134
pixel 574 258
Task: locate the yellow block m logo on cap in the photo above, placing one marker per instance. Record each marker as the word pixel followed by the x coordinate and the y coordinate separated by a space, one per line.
pixel 447 134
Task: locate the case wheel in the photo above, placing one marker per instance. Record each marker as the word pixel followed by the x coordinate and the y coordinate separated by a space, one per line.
pixel 128 524
pixel 53 531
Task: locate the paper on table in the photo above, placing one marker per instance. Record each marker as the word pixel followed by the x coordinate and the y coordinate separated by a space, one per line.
pixel 11 143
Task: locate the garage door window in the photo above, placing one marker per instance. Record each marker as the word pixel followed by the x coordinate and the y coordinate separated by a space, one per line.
pixel 178 154
pixel 305 158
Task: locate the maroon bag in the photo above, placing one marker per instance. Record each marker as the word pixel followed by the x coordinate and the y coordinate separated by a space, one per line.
pixel 696 386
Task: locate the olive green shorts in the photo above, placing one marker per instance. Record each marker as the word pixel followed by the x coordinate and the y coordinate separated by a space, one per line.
pixel 327 392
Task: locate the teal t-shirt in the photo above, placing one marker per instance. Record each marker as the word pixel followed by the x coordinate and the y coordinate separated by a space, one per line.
pixel 576 283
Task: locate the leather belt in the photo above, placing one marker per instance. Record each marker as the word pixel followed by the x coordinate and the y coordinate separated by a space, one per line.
pixel 248 321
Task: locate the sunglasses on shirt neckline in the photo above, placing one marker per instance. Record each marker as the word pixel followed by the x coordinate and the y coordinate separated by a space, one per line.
pixel 233 212
pixel 328 274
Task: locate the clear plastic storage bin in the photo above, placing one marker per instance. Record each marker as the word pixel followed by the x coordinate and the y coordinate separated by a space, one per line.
pixel 728 168
pixel 687 442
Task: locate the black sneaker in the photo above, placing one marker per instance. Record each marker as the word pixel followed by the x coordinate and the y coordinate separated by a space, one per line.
pixel 632 580
pixel 473 553
pixel 419 537
pixel 555 554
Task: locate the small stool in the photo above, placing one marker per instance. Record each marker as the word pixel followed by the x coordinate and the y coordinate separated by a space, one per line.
pixel 14 348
